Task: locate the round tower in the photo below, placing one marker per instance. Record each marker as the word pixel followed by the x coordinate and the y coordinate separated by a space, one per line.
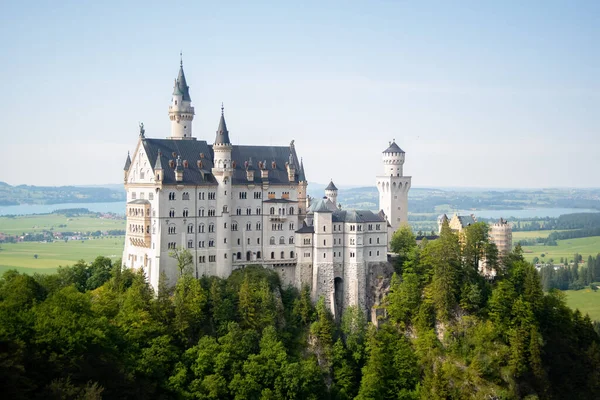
pixel 393 187
pixel 331 192
pixel 181 112
pixel 223 172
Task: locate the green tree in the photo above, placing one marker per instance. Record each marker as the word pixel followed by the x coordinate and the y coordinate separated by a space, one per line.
pixel 184 259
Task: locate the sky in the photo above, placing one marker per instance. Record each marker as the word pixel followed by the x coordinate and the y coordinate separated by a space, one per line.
pixel 477 93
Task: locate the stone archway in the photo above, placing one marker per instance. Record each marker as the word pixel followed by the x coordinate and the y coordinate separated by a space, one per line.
pixel 338 296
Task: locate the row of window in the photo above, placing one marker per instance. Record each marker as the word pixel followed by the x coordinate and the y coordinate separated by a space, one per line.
pixel 338 227
pixel 142 196
pixel 281 211
pixel 134 228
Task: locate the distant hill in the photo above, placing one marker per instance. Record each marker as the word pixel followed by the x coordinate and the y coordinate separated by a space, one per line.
pixel 27 194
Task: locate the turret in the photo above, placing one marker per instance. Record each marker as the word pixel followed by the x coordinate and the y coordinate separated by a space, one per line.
pixel 181 112
pixel 158 169
pixel 331 192
pixel 126 168
pixel 393 160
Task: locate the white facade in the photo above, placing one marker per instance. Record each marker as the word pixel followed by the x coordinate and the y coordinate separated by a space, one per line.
pixel 233 206
pixel 393 187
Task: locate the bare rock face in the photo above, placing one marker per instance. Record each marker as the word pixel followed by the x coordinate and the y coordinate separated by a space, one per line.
pixel 379 276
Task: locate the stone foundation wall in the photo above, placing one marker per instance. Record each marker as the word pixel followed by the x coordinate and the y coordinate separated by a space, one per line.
pixel 378 278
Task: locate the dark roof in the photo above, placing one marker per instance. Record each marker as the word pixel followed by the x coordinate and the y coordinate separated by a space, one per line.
pixel 190 150
pixel 182 85
pixel 356 216
pixel 306 229
pixel 139 201
pixel 331 186
pixel 394 148
pixel 466 220
pixel 320 205
pixel 301 175
pixel 279 201
pixel 222 132
pixel 127 163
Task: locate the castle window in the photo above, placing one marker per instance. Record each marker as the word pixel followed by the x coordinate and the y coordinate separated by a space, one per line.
pixel 377 252
pixel 377 240
pixel 225 240
pixel 185 212
pixel 225 255
pixel 352 242
pixel 133 195
pixel 249 226
pixel 257 240
pixel 377 227
pixel 272 240
pixel 282 254
pixel 224 209
pixel 211 195
pixel 201 244
pixel 171 229
pixel 202 259
pixel 225 225
pixel 291 254
pixel 201 228
pixel 258 255
pixel 242 195
pixel 291 226
pixel 258 211
pixel 291 240
pixel 324 242
pixel 248 211
pixel 201 212
pixel 201 196
pixel 281 240
pixel 212 258
pixel 234 226
pixel 239 255
pixel 324 228
pixel 324 255
pixel 258 226
pixel 238 211
pixel 291 210
pixel 211 227
pixel 150 196
pixel 211 212
pixel 272 210
pixel 257 195
pixel 171 195
pixel 211 243
pixel 272 255
pixel 190 228
pixel 248 240
pixel 370 240
pixel 185 196
pixel 239 241
pixel 190 244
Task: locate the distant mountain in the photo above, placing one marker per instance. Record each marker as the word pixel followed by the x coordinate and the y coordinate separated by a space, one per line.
pixel 28 194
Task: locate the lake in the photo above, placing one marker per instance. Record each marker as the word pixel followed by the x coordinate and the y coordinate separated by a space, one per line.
pixel 117 207
pixel 525 213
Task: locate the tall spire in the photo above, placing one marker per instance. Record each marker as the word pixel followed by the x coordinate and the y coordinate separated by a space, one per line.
pixel 181 82
pixel 127 162
pixel 222 132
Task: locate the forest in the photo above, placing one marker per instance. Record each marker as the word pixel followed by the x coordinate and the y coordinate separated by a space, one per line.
pixel 93 331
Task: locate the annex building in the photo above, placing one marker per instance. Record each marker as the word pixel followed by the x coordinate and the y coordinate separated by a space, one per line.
pixel 234 205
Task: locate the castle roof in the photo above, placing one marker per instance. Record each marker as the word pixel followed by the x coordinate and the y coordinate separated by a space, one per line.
pixel 321 205
pixel 181 85
pixel 222 132
pixel 331 186
pixel 465 220
pixel 356 216
pixel 192 151
pixel 306 228
pixel 394 148
pixel 127 163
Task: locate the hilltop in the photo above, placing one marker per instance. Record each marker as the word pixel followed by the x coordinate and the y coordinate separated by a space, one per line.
pixel 27 194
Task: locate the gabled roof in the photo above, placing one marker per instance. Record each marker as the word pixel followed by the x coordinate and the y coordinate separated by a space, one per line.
pixel 331 186
pixel 306 229
pixel 356 216
pixel 301 175
pixel 190 150
pixel 465 220
pixel 321 205
pixel 127 163
pixel 394 148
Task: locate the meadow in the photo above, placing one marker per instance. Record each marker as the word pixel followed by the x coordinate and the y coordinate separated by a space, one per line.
pixel 586 300
pixel 41 222
pixel 20 256
pixel 588 246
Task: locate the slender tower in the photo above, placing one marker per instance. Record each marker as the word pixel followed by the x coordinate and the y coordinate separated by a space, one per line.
pixel 393 187
pixel 181 112
pixel 223 172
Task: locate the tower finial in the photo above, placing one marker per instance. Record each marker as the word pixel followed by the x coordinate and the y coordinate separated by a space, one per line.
pixel 180 58
pixel 222 109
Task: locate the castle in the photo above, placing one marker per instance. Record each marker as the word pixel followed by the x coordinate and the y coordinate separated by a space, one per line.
pixel 237 205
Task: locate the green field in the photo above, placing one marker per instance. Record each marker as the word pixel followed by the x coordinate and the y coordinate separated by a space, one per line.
pixel 20 256
pixel 38 223
pixel 589 246
pixel 531 234
pixel 587 301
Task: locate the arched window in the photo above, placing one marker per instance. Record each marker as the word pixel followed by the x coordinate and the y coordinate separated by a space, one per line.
pixel 201 228
pixel 291 240
pixel 281 240
pixel 272 210
pixel 239 255
pixel 282 255
pixel 258 255
pixel 272 240
pixel 291 210
pixel 248 255
pixel 272 255
pixel 191 228
pixel 291 254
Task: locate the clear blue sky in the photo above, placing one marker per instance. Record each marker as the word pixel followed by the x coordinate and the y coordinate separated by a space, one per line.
pixel 479 93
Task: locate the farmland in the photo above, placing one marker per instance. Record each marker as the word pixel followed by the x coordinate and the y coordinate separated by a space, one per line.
pixel 20 256
pixel 587 301
pixel 58 223
pixel 589 246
